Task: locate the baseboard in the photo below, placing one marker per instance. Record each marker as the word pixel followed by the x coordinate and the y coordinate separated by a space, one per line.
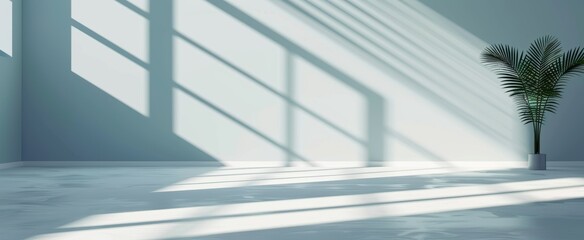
pixel 121 164
pixel 257 164
pixel 10 165
pixel 455 164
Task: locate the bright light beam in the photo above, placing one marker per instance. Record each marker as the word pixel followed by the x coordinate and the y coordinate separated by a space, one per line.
pixel 264 179
pixel 232 218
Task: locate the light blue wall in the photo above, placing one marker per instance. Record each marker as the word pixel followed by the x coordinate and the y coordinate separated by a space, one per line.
pixel 518 23
pixel 279 81
pixel 10 93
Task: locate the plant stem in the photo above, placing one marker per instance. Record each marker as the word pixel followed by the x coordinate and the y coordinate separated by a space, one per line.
pixel 536 138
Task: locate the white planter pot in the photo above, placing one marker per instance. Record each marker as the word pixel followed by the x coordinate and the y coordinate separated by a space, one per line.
pixel 536 161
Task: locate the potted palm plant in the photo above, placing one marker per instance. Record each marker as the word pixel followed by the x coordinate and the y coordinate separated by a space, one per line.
pixel 535 80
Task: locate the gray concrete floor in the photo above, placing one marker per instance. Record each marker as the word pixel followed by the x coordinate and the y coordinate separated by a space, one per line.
pixel 291 203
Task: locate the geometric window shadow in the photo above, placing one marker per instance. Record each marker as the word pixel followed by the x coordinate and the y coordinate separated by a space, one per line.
pixel 111 124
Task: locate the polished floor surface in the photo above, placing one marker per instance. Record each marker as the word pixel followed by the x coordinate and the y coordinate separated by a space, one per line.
pixel 292 203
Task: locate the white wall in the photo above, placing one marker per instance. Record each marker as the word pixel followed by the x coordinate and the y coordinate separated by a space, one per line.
pixel 286 82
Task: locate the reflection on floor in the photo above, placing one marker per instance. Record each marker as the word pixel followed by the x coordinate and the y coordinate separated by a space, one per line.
pixel 291 203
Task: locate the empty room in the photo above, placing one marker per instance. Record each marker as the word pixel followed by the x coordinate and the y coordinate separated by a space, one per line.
pixel 291 119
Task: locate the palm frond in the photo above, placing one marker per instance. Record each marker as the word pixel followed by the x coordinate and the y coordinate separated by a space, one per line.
pixel 543 53
pixel 509 65
pixel 569 64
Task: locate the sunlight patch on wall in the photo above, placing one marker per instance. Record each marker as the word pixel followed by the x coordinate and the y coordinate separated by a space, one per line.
pixel 267 215
pixel 441 135
pixel 317 140
pixel 231 40
pixel 330 98
pixel 6 28
pixel 116 23
pixel 229 90
pixel 434 33
pixel 435 67
pixel 109 71
pixel 339 105
pixel 449 48
pixel 216 134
